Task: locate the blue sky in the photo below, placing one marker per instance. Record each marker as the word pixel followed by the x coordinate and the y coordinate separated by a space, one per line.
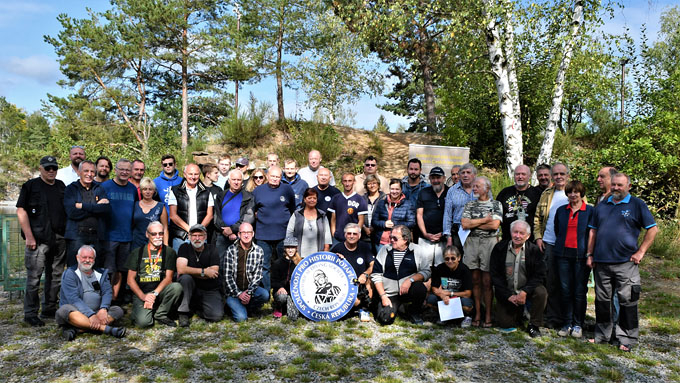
pixel 29 68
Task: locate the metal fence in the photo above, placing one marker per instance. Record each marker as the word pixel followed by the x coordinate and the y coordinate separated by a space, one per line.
pixel 12 269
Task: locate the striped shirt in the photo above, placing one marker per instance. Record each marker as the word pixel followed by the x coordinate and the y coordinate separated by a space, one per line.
pixel 398 257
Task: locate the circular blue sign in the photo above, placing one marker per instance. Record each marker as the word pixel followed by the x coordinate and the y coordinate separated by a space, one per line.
pixel 321 287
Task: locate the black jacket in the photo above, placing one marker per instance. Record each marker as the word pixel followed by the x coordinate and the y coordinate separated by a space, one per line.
pixel 534 264
pixel 202 198
pixel 246 211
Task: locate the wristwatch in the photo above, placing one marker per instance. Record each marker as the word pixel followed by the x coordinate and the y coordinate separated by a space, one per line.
pixel 202 272
pixel 412 280
pixel 155 293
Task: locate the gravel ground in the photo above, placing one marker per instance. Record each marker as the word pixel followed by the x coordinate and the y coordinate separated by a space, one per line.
pixel 266 349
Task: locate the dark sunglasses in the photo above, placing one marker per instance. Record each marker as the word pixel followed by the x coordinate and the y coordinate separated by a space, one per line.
pixel 393 238
pixel 370 165
pixel 258 177
pixel 51 168
pixel 168 164
pixel 450 259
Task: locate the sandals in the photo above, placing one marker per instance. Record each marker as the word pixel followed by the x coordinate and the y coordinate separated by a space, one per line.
pixel 475 323
pixel 487 325
pixel 625 347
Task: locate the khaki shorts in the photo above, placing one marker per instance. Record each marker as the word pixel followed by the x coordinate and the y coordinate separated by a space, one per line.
pixel 478 252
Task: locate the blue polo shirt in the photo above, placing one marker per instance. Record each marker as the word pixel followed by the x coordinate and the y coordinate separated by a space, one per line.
pixel 122 199
pixel 618 226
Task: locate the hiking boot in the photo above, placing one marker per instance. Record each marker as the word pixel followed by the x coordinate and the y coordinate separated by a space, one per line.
pixel 184 320
pixel 467 322
pixel 577 332
pixel 34 321
pixel 564 331
pixel 166 321
pixel 534 331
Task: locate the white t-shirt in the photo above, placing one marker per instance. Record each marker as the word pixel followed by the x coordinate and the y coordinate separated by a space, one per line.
pixel 193 217
pixel 67 175
pixel 559 199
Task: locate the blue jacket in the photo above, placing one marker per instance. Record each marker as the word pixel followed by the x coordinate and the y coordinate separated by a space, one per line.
pixel 71 292
pixel 164 184
pixel 299 186
pixel 582 231
pixel 72 195
pixel 403 214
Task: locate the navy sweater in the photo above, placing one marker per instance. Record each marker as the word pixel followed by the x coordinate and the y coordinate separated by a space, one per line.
pixel 273 208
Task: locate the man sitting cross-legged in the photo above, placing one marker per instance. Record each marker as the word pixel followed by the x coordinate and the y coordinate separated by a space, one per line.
pixel 85 299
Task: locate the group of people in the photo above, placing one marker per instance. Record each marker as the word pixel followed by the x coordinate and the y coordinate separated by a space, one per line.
pixel 229 241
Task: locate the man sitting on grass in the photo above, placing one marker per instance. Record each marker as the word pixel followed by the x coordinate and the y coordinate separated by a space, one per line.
pixel 85 299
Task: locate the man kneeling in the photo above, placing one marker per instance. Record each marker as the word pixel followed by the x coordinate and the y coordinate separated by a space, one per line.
pixel 518 274
pixel 85 299
pixel 150 271
pixel 243 272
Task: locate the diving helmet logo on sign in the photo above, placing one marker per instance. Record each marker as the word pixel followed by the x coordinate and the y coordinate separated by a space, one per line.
pixel 322 288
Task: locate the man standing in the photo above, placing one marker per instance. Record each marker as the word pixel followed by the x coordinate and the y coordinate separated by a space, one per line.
pixel 190 204
pixel 604 181
pixel 242 165
pixel 232 208
pixel 371 167
pixel 346 207
pixel 70 174
pixel 118 234
pixel 198 269
pixel 293 179
pixel 543 175
pixel 430 215
pixel 309 173
pixel 359 255
pixel 243 266
pixel 518 272
pixel 325 190
pixel 398 275
pixel 544 234
pixel 86 204
pixel 454 176
pixel 274 204
pixel 103 168
pixel 519 200
pixel 40 210
pixel 614 253
pixel 85 298
pixel 223 166
pixel 414 182
pixel 138 171
pixel 168 178
pixel 150 272
pixel 456 198
pixel 272 160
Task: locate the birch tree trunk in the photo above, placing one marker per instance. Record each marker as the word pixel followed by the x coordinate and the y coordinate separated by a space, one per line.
pixel 545 154
pixel 508 103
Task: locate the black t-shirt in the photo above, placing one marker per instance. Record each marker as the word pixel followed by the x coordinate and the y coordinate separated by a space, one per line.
pixel 456 280
pixel 324 198
pixel 151 270
pixel 433 209
pixel 360 258
pixel 516 203
pixel 31 196
pixel 206 258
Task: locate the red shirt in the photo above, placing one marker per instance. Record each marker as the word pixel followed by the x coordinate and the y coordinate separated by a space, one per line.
pixel 570 241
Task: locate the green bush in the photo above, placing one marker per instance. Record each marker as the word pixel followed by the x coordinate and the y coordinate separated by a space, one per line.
pixel 667 242
pixel 307 136
pixel 246 128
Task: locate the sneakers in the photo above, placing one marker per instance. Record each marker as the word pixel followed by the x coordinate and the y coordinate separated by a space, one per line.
pixel 34 321
pixel 364 316
pixel 184 320
pixel 277 314
pixel 117 332
pixel 564 331
pixel 533 331
pixel 467 322
pixel 69 333
pixel 507 330
pixel 166 321
pixel 577 332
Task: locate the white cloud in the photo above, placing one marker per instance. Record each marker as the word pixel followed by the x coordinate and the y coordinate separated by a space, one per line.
pixel 40 68
pixel 14 11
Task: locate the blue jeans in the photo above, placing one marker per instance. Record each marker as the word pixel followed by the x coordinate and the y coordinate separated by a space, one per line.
pixel 271 250
pixel 239 311
pixel 573 275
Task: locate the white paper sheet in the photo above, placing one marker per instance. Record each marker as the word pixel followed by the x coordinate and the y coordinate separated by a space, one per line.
pixel 451 311
pixel 462 234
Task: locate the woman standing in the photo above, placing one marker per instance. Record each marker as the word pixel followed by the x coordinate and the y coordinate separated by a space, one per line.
pixel 373 194
pixel 256 179
pixel 310 226
pixel 146 211
pixel 571 232
pixel 390 212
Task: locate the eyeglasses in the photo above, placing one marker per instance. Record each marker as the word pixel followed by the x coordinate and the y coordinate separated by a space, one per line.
pixel 247 232
pixel 155 234
pixel 393 238
pixel 370 165
pixel 351 233
pixel 258 177
pixel 168 164
pixel 447 259
pixel 50 168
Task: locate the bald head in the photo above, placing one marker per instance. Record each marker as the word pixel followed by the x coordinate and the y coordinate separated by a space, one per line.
pixel 314 159
pixel 245 234
pixel 522 174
